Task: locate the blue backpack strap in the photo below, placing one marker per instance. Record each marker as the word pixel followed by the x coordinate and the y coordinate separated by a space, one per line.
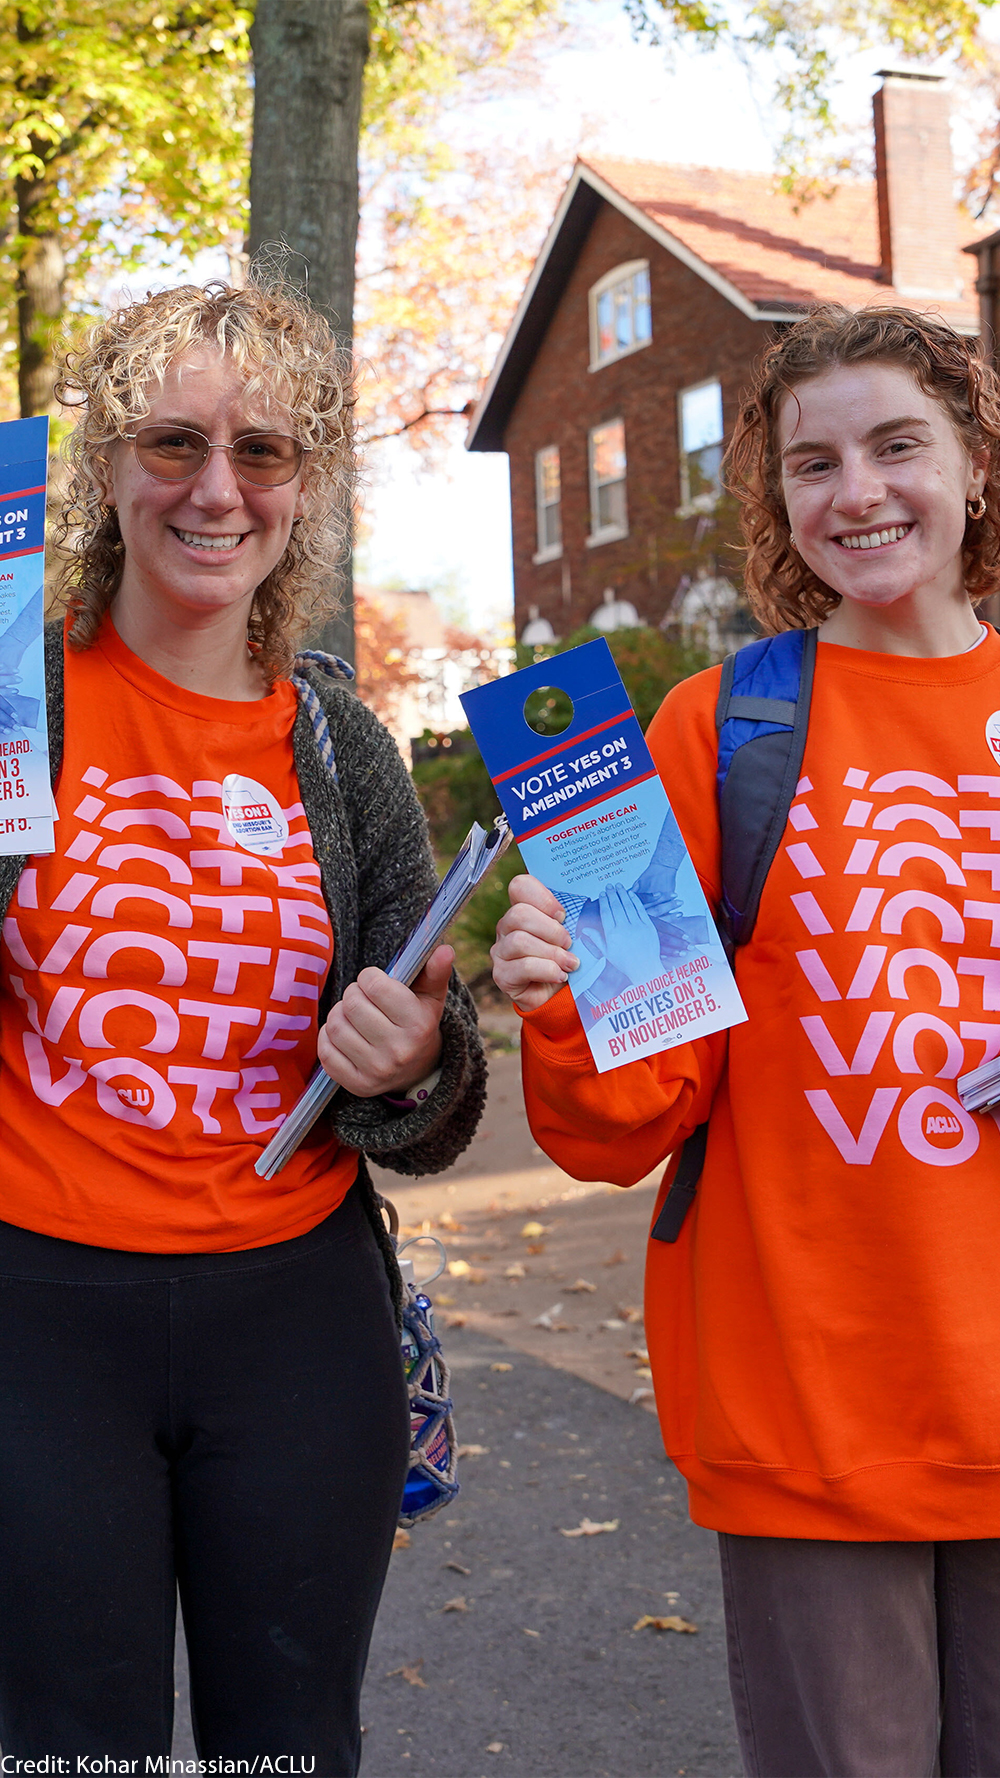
pixel 762 718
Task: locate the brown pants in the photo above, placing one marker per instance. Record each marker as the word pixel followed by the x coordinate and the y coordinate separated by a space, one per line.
pixel 864 1660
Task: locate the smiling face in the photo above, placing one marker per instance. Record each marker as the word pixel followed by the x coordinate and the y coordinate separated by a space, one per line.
pixel 198 548
pixel 875 480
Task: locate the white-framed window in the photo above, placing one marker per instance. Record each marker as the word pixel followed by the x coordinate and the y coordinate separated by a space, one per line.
pixel 548 504
pixel 699 411
pixel 621 317
pixel 606 459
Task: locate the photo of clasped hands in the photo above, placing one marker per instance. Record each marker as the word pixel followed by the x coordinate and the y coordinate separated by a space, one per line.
pixel 532 958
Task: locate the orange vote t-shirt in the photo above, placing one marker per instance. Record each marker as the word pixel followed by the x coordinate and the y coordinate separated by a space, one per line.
pixel 160 975
pixel 825 1334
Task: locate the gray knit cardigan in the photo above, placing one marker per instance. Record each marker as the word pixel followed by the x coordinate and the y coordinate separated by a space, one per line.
pixel 370 841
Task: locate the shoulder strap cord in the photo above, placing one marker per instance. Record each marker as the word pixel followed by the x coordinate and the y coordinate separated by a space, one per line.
pixel 335 668
pixel 684 1185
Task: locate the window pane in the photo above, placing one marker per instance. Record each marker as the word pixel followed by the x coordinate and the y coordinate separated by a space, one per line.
pixel 548 475
pixel 623 315
pixel 607 445
pixel 704 470
pixel 611 505
pixel 701 417
pixel 551 527
pixel 642 319
pixel 605 319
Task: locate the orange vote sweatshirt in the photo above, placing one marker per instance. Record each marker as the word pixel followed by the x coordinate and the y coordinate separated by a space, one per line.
pixel 825 1334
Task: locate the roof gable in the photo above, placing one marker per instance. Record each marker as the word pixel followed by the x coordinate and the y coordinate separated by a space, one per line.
pixel 770 258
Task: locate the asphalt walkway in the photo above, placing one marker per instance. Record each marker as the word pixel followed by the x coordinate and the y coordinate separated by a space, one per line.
pixel 505 1647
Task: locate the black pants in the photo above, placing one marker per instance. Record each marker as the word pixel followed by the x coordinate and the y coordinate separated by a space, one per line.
pixel 233 1423
pixel 864 1660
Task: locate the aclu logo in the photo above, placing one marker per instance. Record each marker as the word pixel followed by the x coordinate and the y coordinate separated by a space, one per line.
pixel 138 1095
pixel 942 1128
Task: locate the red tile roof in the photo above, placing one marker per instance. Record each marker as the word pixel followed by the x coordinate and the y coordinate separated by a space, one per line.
pixel 773 252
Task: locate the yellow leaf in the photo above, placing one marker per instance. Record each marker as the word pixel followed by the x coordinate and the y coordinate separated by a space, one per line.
pixel 666 1623
pixel 532 1231
pixel 411 1673
pixel 501 1367
pixel 459 1268
pixel 591 1528
pixel 401 1540
pixel 459 1604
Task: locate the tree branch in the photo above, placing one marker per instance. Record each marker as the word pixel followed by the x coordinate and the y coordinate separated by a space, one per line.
pixel 429 413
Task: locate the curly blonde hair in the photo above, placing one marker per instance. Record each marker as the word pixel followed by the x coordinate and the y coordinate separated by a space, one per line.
pixel 783 592
pixel 286 352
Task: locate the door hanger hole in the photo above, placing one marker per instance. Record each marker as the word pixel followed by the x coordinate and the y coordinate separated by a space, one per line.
pixel 548 710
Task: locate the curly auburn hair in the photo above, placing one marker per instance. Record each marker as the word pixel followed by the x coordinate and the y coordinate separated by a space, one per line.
pixel 783 592
pixel 286 353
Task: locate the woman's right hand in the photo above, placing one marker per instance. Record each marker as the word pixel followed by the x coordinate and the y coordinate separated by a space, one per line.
pixel 532 959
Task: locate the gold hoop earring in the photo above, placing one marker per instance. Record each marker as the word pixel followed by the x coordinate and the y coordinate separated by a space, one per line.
pixel 976 509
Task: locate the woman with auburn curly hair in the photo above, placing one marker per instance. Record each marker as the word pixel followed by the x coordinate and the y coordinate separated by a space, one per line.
pixel 825 1329
pixel 200 1372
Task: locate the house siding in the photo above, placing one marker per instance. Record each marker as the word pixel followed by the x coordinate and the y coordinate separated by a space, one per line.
pixel 697 335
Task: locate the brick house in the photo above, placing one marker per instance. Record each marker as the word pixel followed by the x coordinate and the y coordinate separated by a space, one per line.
pixel 656 290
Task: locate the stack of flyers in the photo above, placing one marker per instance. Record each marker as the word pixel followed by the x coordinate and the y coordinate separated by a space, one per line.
pixel 480 851
pixel 980 1089
pixel 27 810
pixel 592 821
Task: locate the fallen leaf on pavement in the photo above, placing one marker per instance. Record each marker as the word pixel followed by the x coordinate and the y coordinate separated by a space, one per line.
pixel 535 1247
pixel 494 1747
pixel 666 1623
pixel 501 1367
pixel 457 1566
pixel 638 1395
pixel 613 1325
pixel 617 1258
pixel 548 1317
pixel 629 1312
pixel 447 1221
pixel 462 1604
pixel 401 1540
pixel 638 1352
pixel 443 1302
pixel 458 1268
pixel 533 1633
pixel 532 1231
pixel 454 1320
pixel 581 1285
pixel 475 1275
pixel 473 1450
pixel 590 1528
pixel 411 1674
pixel 642 1370
pixel 515 1271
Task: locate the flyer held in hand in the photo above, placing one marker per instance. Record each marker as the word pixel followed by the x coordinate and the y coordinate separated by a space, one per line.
pixel 26 805
pixel 592 820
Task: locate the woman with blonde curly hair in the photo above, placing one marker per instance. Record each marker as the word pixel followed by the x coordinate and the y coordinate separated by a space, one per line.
pixel 824 1329
pixel 200 1372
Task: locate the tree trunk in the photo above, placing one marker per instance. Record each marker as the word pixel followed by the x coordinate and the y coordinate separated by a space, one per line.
pixel 309 58
pixel 41 277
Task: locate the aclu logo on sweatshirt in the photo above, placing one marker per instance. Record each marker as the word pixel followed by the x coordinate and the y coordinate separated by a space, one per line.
pixel 993 736
pixel 942 1128
pixel 253 816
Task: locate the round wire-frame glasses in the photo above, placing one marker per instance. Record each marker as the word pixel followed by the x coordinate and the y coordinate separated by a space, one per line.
pixel 177 453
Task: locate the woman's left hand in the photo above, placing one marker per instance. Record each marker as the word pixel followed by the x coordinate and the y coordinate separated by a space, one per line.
pixel 382 1037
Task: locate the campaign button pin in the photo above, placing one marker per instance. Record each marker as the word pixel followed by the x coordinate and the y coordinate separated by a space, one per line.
pixel 253 816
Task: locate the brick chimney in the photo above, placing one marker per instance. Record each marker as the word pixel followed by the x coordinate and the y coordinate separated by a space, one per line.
pixel 918 226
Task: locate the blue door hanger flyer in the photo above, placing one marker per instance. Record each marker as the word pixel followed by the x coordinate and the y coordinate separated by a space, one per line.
pixel 26 807
pixel 592 821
